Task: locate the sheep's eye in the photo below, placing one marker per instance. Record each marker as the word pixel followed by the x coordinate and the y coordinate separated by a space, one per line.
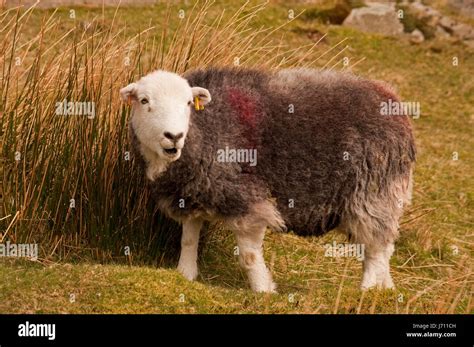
pixel 189 103
pixel 144 101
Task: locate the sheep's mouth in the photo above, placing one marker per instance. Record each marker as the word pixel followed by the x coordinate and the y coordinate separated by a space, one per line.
pixel 170 154
pixel 170 151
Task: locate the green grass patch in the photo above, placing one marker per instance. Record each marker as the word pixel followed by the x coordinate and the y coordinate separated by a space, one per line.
pixel 82 248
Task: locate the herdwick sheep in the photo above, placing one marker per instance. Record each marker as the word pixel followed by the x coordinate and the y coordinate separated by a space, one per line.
pixel 324 157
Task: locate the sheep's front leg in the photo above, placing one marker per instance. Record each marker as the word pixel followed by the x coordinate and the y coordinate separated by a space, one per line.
pixel 250 245
pixel 189 248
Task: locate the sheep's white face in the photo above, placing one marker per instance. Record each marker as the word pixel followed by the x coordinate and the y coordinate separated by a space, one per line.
pixel 161 108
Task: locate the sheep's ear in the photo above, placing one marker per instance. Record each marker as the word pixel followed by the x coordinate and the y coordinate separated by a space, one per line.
pixel 203 95
pixel 129 92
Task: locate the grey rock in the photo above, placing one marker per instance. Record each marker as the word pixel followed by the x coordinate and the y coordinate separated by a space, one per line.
pixel 375 18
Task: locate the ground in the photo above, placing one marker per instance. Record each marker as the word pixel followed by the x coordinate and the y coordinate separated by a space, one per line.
pixel 432 263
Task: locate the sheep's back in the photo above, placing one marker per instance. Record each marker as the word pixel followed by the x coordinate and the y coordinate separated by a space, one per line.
pixel 325 137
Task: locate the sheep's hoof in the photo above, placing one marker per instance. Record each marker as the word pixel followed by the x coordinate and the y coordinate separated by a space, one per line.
pixel 266 288
pixel 370 281
pixel 189 272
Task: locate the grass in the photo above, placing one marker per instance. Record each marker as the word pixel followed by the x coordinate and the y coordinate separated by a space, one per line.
pixel 82 248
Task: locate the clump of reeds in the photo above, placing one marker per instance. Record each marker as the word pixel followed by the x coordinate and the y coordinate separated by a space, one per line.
pixel 67 181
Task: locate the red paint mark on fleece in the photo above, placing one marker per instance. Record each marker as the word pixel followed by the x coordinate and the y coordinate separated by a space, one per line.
pixel 245 107
pixel 248 114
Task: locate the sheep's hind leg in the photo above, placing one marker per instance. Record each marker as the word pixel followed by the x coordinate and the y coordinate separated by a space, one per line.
pixel 250 243
pixel 376 227
pixel 378 239
pixel 187 265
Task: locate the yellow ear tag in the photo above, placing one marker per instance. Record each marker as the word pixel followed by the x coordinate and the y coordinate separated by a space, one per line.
pixel 129 100
pixel 197 104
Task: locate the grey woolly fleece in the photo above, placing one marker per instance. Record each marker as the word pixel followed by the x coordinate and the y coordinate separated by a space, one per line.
pixel 322 147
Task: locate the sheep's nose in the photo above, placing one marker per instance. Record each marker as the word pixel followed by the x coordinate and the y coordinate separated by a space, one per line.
pixel 173 137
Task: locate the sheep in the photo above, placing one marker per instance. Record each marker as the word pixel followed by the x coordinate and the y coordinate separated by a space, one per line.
pixel 325 158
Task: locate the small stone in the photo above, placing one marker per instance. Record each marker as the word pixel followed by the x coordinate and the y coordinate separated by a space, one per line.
pixel 425 13
pixel 463 31
pixel 417 36
pixel 447 23
pixel 440 32
pixel 463 7
pixel 469 43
